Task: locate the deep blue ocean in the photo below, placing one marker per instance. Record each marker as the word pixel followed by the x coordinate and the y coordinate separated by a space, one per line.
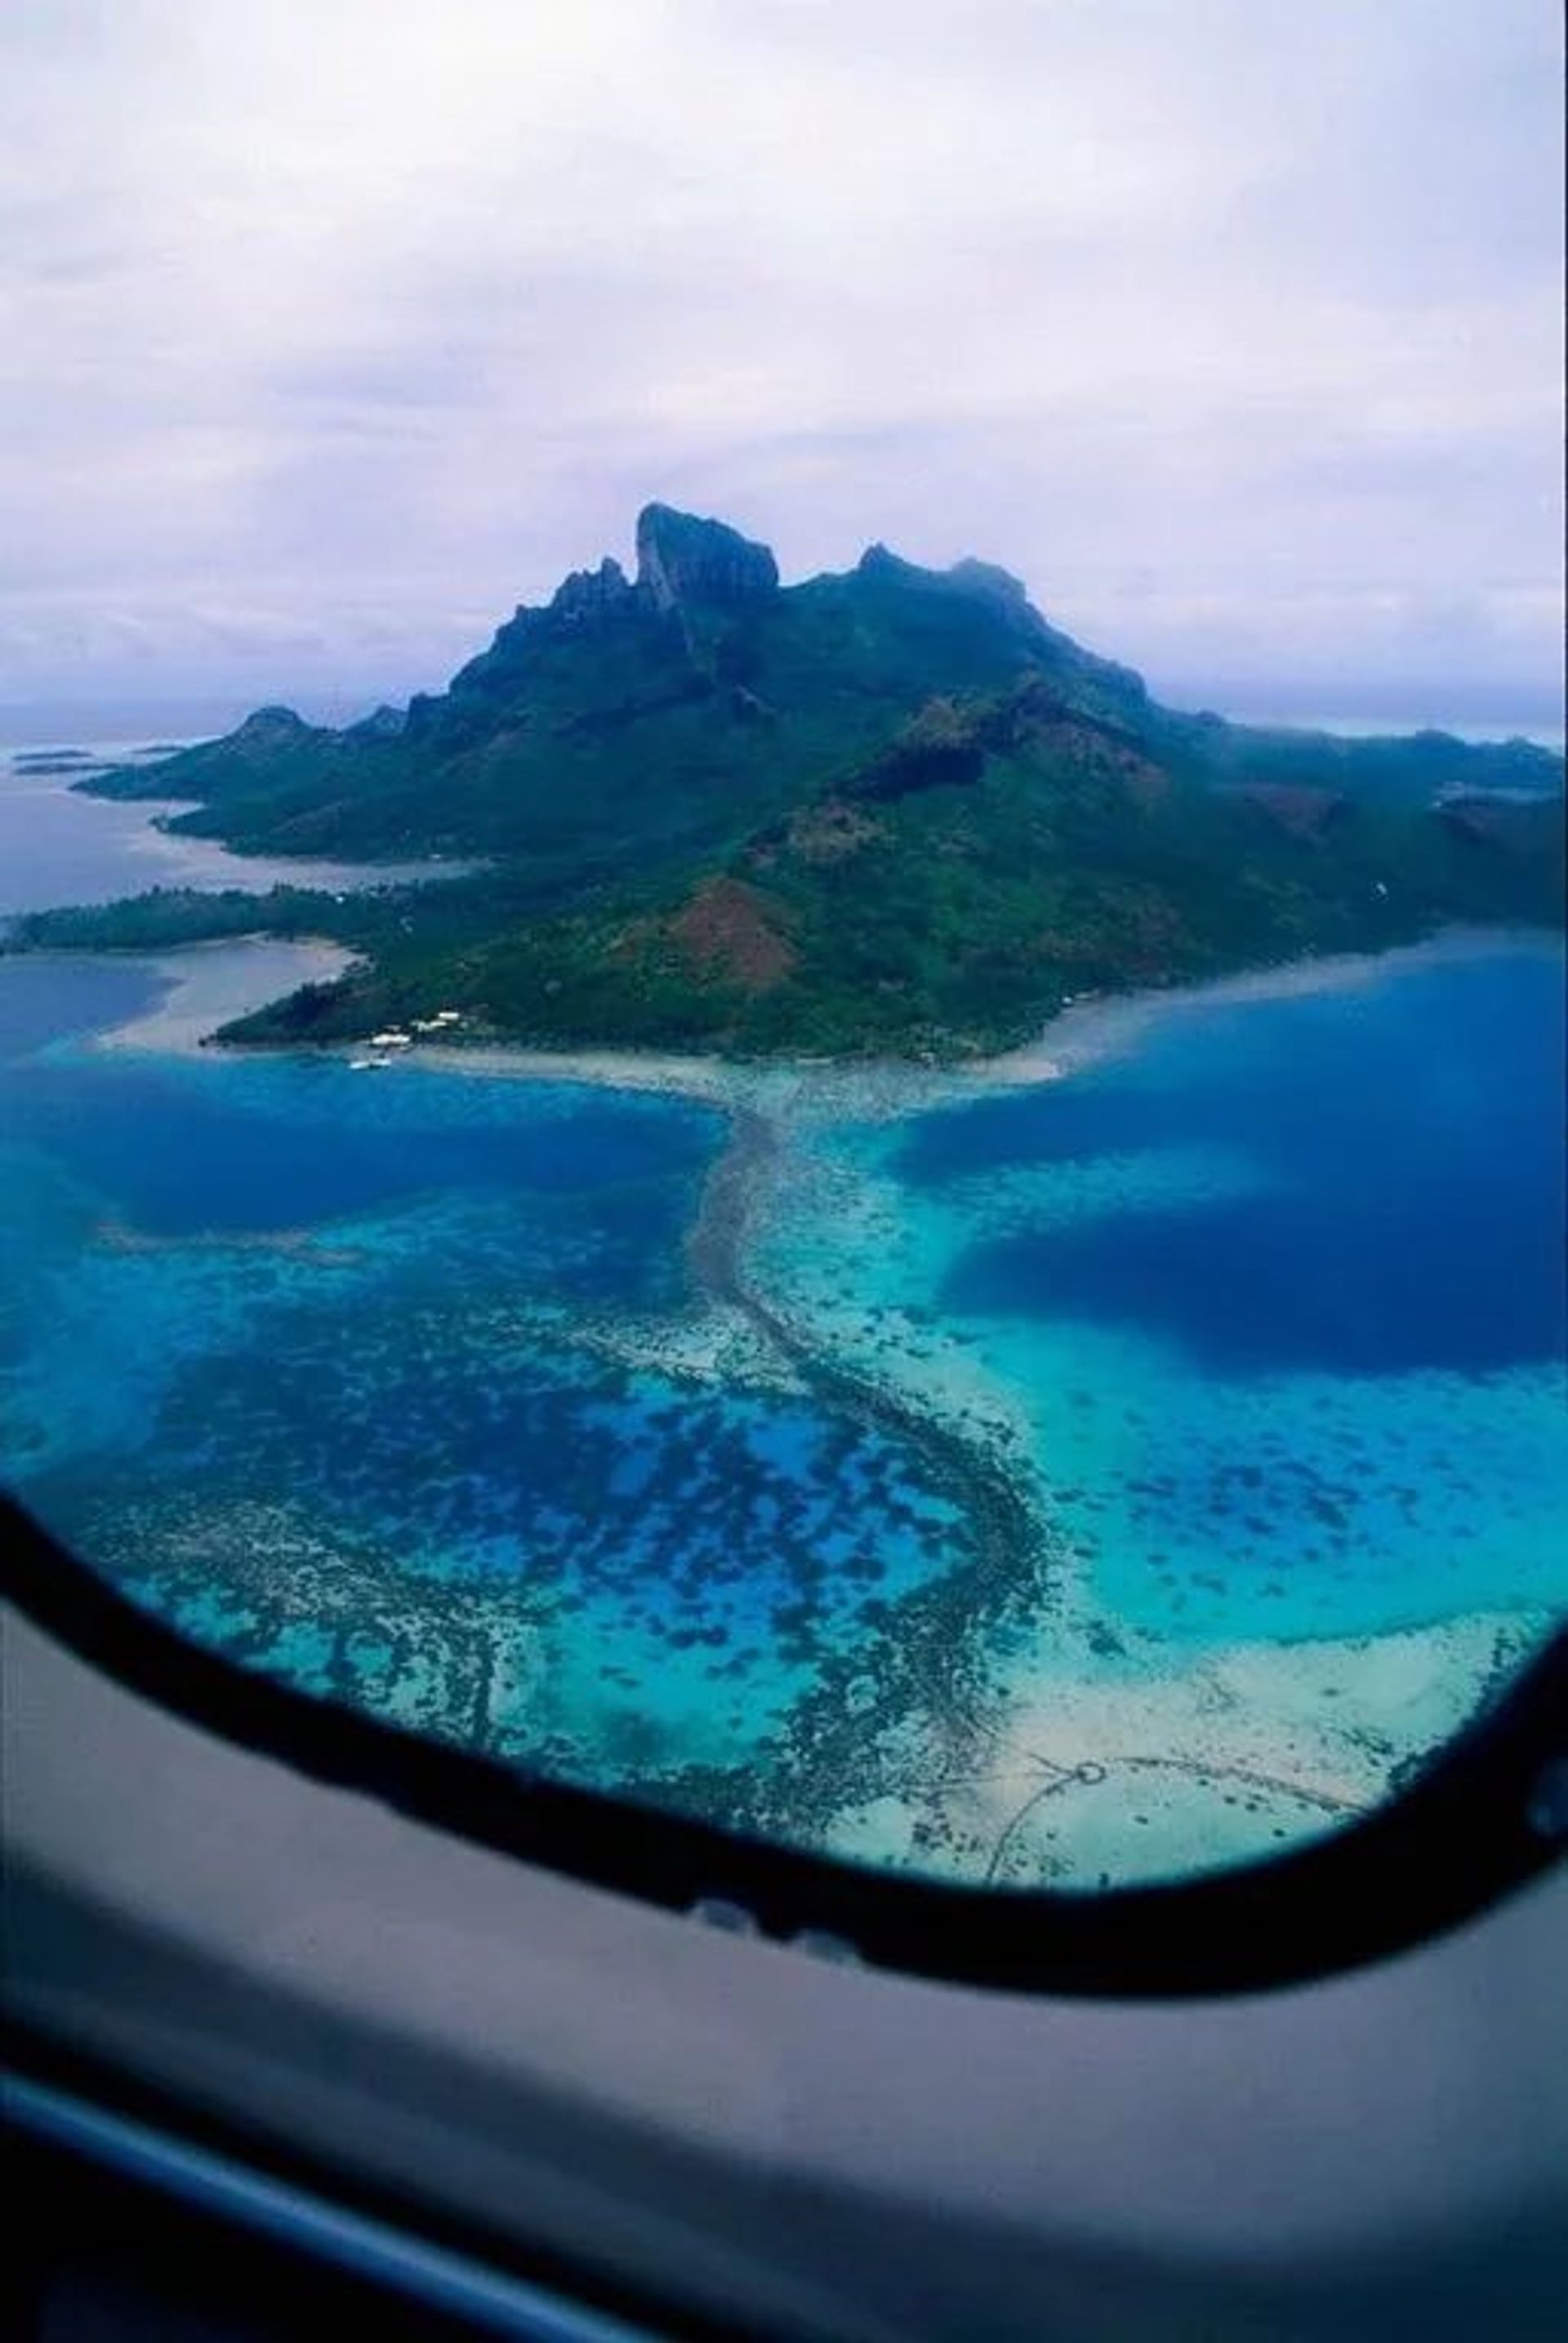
pixel 1406 1206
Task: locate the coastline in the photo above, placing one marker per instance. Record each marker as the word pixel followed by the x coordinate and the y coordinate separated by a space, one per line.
pixel 1092 1031
pixel 1085 1034
pixel 221 981
pixel 207 984
pixel 154 853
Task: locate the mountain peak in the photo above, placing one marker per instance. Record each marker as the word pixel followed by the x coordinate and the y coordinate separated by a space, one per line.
pixel 981 580
pixel 681 558
pixel 267 728
pixel 588 596
pixel 383 723
pixel 878 561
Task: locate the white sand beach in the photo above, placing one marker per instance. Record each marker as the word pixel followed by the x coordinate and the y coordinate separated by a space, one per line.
pixel 208 984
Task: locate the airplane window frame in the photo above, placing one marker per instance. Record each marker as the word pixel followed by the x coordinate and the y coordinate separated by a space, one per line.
pixel 1485 1815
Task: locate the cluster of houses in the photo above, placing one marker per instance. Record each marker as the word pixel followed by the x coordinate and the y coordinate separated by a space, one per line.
pixel 396 1038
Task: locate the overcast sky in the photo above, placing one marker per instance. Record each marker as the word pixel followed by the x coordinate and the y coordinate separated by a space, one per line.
pixel 330 329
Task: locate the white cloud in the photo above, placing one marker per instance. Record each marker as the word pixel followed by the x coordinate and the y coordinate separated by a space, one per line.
pixel 333 329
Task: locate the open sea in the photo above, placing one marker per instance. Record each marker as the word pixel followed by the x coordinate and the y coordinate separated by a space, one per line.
pixel 1078 1472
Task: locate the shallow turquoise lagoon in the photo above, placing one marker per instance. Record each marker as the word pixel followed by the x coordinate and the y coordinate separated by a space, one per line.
pixel 774 1450
pixel 361 1379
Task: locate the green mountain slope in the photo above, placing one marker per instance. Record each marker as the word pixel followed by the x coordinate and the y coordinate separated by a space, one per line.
pixel 887 810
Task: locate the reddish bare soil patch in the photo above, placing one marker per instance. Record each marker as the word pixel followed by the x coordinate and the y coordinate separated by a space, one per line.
pixel 727 931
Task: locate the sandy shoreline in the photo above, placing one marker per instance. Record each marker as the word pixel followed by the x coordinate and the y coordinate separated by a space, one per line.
pixel 212 983
pixel 208 984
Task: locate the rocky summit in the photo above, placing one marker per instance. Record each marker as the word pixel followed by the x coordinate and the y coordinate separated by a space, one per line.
pixel 681 560
pixel 892 810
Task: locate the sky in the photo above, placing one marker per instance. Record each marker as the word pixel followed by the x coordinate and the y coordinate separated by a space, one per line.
pixel 332 330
